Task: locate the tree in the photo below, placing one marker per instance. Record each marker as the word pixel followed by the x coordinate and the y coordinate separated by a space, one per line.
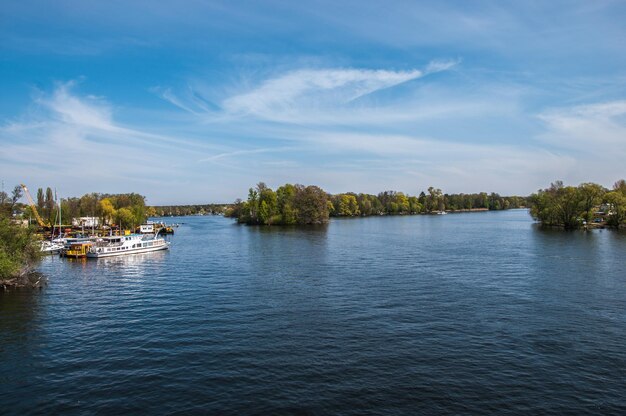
pixel 15 196
pixel 414 206
pixel 311 205
pixel 617 207
pixel 620 186
pixel 345 205
pixel 125 218
pixel 107 209
pixel 40 200
pixel 268 204
pixel 285 196
pixel 49 205
pixel 590 196
pixel 253 204
pixel 402 203
pixel 566 206
pixel 19 250
pixel 434 200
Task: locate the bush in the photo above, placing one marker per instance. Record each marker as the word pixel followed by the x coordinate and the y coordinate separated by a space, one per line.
pixel 19 249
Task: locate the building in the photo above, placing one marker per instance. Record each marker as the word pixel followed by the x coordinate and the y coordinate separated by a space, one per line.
pixel 86 222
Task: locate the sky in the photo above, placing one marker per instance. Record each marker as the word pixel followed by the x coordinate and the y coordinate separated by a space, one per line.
pixel 190 102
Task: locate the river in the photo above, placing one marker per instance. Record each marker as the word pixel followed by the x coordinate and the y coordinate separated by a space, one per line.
pixel 474 313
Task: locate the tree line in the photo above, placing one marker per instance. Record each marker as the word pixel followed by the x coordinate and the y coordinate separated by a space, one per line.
pixel 299 204
pixel 182 210
pixel 572 207
pixel 127 210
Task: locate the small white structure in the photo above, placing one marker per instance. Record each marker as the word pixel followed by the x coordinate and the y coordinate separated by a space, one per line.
pixel 86 222
pixel 146 228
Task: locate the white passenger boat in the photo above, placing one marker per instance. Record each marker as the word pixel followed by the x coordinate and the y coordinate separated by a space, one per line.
pixel 126 244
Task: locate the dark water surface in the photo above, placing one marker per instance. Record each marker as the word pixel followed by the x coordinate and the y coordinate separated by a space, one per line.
pixel 468 313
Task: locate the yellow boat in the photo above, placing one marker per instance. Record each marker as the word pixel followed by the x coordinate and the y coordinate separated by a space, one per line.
pixel 78 250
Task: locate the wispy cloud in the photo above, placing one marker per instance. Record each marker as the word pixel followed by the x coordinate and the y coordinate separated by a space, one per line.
pixel 236 153
pixel 89 112
pixel 318 89
pixel 78 139
pixel 592 127
pixel 311 96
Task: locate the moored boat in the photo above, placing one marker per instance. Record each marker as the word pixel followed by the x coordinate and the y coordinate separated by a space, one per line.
pixel 78 250
pixel 126 244
pixel 50 247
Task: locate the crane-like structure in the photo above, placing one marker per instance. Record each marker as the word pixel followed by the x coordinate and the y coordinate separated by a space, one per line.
pixel 33 207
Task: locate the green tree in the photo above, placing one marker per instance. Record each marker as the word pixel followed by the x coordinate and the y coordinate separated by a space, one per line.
pixel 311 205
pixel 49 205
pixel 125 218
pixel 434 200
pixel 402 202
pixel 617 207
pixel 590 196
pixel 108 210
pixel 286 196
pixel 346 205
pixel 268 208
pixel 19 250
pixel 15 196
pixel 40 200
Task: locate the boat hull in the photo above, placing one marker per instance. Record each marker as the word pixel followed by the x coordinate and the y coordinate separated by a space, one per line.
pixel 139 250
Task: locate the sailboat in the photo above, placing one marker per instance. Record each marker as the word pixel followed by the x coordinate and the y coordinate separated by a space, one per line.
pixel 55 245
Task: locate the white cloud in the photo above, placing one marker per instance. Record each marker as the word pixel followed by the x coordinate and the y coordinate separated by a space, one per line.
pixel 592 127
pixel 67 138
pixel 88 112
pixel 283 97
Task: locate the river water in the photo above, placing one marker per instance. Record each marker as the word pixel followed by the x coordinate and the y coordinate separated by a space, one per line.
pixel 478 313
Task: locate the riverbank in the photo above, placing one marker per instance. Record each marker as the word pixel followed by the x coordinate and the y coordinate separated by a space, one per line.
pixel 29 280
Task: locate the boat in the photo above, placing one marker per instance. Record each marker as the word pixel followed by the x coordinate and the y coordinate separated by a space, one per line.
pixel 126 244
pixel 55 245
pixel 73 246
pixel 440 212
pixel 50 247
pixel 78 250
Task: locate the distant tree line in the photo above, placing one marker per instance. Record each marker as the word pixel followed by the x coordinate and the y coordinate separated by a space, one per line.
pixel 571 207
pixel 181 210
pixel 298 204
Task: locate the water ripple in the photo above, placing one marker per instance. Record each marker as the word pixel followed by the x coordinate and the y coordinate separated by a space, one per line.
pixel 462 314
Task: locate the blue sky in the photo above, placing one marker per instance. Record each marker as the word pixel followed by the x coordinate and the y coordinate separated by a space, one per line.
pixel 195 101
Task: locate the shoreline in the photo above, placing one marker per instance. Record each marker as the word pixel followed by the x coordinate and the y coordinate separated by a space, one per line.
pixel 29 280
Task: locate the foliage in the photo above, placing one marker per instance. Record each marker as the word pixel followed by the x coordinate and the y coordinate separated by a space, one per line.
pixel 290 204
pixel 570 207
pixel 297 204
pixel 19 250
pixel 106 207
